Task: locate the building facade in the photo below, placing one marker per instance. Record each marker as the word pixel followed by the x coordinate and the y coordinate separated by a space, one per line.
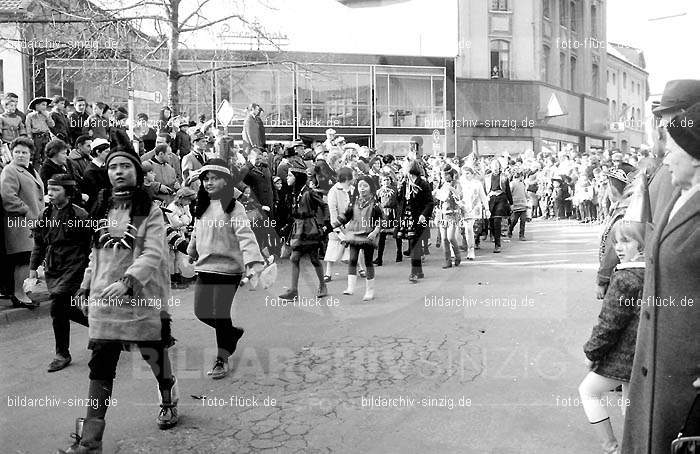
pixel 529 76
pixel 627 92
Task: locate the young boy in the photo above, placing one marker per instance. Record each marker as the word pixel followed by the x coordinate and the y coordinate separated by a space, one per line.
pixel 519 211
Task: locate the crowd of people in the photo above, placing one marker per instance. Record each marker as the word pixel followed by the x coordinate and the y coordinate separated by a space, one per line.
pixel 117 217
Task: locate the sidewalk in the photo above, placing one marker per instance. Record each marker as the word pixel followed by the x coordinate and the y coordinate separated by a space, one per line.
pixel 9 314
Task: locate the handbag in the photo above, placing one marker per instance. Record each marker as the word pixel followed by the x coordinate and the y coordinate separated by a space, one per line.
pixel 36 289
pixel 285 251
pixel 688 440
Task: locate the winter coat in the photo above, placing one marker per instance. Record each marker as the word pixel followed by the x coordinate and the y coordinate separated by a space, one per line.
pixel 146 263
pixel 94 180
pixel 411 207
pixel 60 127
pixel 667 356
pixel 38 123
pixel 77 163
pixel 306 232
pixel 97 126
pixel 223 250
pixel 62 240
pixel 517 190
pixel 360 219
pixel 182 144
pixel 166 176
pixel 192 162
pixel 387 202
pixel 253 132
pixel 76 126
pixel 259 179
pixel 22 194
pixel 611 345
pixel 607 257
pixel 499 205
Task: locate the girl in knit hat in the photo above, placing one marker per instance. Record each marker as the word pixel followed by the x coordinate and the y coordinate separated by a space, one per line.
pixel 223 248
pixel 127 287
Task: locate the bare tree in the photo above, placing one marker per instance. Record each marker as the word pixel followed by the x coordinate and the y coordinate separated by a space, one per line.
pixel 60 24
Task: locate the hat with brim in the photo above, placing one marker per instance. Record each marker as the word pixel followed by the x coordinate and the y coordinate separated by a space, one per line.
pixel 218 168
pixel 99 144
pixel 618 174
pixel 684 129
pixel 678 94
pixel 35 101
pixel 294 143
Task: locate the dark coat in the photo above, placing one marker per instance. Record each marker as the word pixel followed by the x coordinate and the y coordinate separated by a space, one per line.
pixel 611 345
pixel 77 163
pixel 306 234
pixel 60 128
pixel 63 241
pixel 667 356
pixel 253 132
pixel 76 124
pixel 411 209
pixel 499 205
pixel 94 180
pixel 182 144
pixel 259 179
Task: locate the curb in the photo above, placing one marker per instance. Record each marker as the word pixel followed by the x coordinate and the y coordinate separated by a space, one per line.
pixel 11 315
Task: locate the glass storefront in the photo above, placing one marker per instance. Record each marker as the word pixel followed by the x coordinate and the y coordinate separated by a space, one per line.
pixel 334 95
pixel 410 97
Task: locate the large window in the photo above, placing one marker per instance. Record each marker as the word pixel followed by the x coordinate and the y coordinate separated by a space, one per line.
pixel 595 76
pixel 624 80
pixel 545 63
pixel 547 8
pixel 562 13
pixel 410 98
pixel 594 21
pixel 573 74
pixel 613 110
pixel 2 78
pixel 573 15
pixel 500 59
pixel 269 86
pixel 499 5
pixel 334 95
pixel 562 70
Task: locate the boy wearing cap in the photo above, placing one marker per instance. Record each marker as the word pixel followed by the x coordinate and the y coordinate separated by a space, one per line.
pixel 58 115
pixel 11 123
pixel 79 158
pixel 95 177
pixel 39 122
pixel 62 242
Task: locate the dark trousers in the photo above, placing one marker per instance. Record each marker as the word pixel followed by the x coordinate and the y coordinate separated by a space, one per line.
pixel 368 250
pixel 495 225
pixel 62 313
pixel 515 217
pixel 415 246
pixel 213 297
pixel 40 141
pixel 382 244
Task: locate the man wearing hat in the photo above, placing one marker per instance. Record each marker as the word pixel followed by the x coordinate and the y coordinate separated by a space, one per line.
pixel 666 371
pixel 95 177
pixel 678 96
pixel 291 159
pixel 62 242
pixel 195 159
pixel 39 124
pixel 253 128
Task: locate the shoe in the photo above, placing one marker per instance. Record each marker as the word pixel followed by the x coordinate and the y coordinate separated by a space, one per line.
pixel 16 302
pixel 458 261
pixel 477 246
pixel 399 258
pixel 437 244
pixel 420 275
pixel 463 248
pixel 59 362
pixel 220 370
pixel 167 418
pixel 322 290
pixel 510 234
pixel 413 278
pixel 426 251
pixel 406 253
pixel 327 278
pixel 522 238
pixel 448 264
pixel 87 436
pixel 362 273
pixel 289 294
pixel 369 290
pixel 352 280
pixel 497 249
pixel 470 254
pixel 378 262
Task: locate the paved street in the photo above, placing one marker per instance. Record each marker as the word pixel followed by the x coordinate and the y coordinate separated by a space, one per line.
pixel 485 358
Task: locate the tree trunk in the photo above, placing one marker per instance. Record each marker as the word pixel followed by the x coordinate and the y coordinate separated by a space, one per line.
pixel 173 57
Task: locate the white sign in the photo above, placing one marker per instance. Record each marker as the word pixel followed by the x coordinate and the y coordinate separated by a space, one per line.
pixel 155 96
pixel 225 113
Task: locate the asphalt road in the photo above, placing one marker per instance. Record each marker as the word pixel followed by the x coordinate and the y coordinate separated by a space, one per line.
pixel 484 358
